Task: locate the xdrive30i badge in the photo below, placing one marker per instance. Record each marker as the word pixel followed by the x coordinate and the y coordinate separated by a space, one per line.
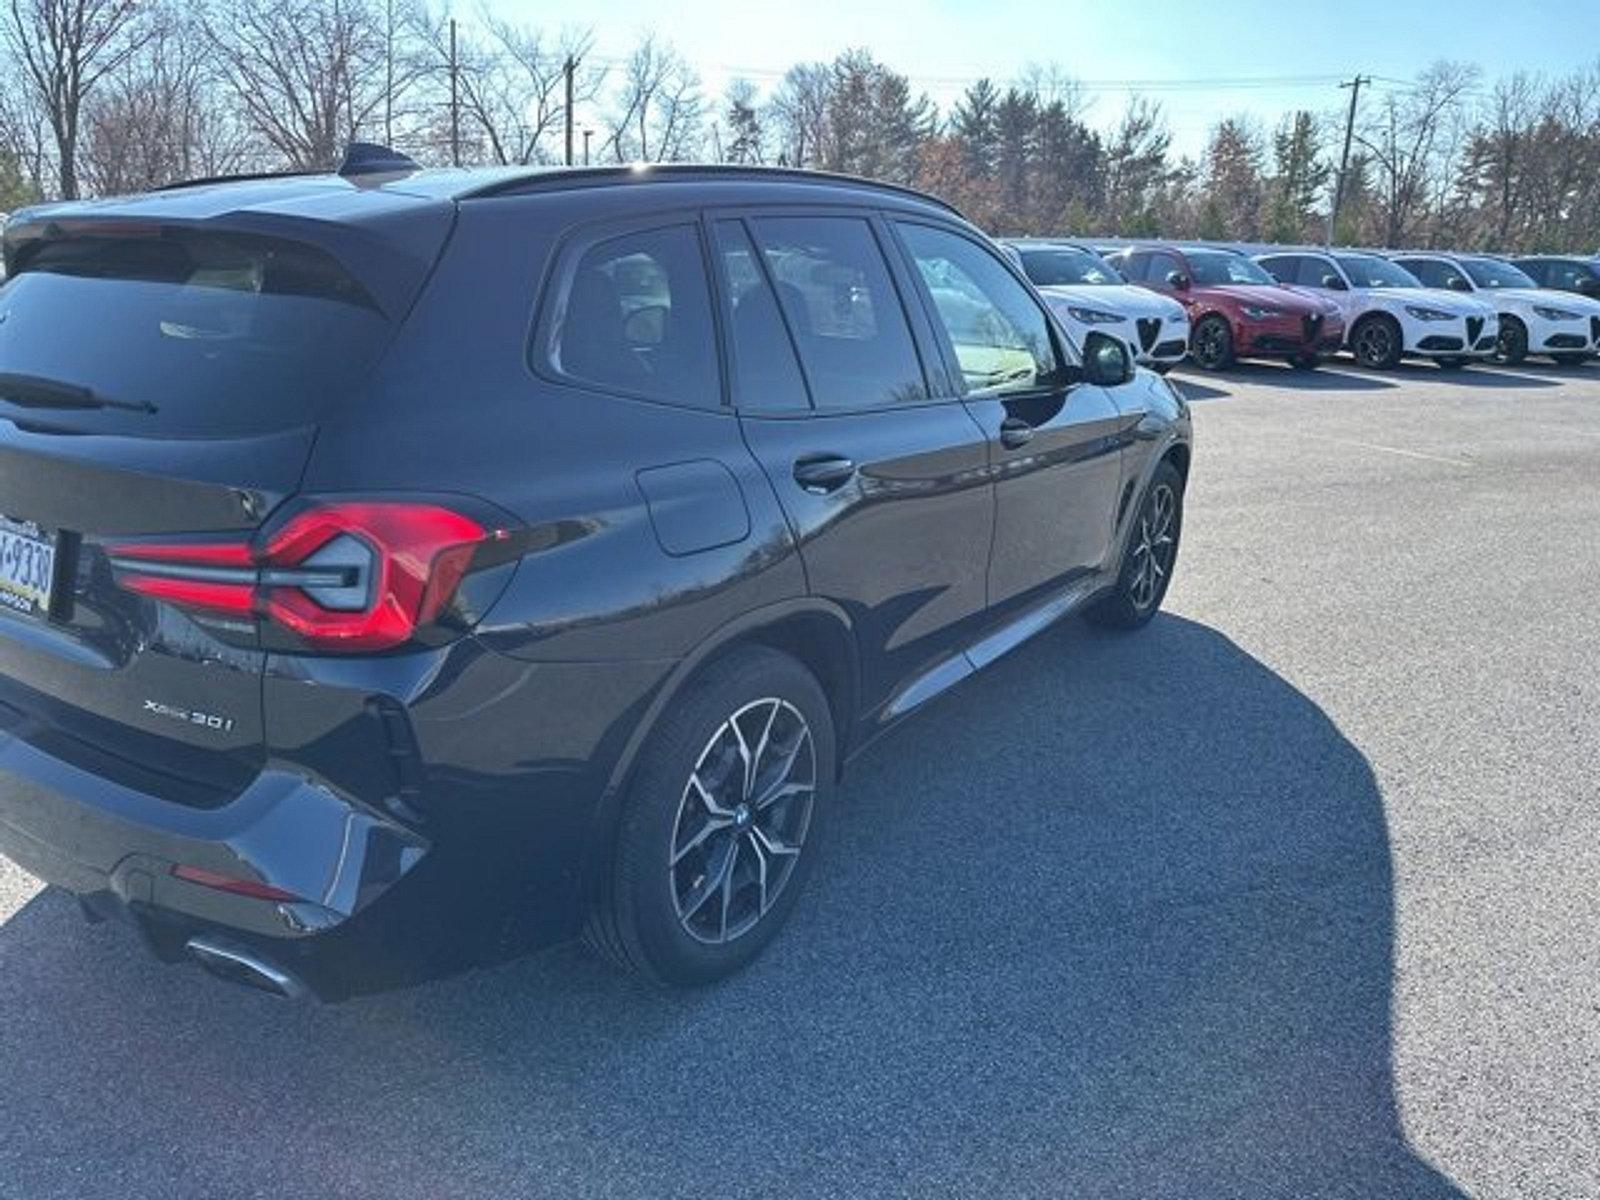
pixel 189 716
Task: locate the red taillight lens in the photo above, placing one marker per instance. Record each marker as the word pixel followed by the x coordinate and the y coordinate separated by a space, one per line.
pixel 358 575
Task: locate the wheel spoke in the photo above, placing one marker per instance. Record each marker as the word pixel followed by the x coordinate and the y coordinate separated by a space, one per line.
pixel 727 883
pixel 712 881
pixel 772 845
pixel 712 825
pixel 706 798
pixel 745 756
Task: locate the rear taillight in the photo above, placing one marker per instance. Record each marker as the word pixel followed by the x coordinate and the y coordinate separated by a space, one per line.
pixel 349 575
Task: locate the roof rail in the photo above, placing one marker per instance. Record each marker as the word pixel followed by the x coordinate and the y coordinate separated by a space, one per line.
pixel 555 178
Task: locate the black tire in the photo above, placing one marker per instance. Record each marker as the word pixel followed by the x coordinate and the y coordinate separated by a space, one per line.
pixel 638 921
pixel 1511 346
pixel 1571 360
pixel 1128 605
pixel 1306 362
pixel 1452 363
pixel 1211 344
pixel 1376 342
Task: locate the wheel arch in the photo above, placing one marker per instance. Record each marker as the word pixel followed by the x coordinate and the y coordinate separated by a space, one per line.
pixel 815 632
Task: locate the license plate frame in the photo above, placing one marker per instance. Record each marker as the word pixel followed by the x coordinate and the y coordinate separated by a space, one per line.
pixel 30 557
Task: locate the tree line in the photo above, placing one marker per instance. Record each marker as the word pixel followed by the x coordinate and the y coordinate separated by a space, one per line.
pixel 99 97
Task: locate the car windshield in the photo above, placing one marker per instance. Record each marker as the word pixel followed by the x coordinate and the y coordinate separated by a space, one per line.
pixel 1369 271
pixel 1063 265
pixel 1491 273
pixel 1216 268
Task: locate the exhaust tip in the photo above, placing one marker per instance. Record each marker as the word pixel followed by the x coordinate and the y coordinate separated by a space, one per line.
pixel 235 964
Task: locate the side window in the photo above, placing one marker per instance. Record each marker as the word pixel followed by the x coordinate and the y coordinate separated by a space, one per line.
pixel 1431 271
pixel 1161 266
pixel 766 374
pixel 1282 267
pixel 1000 334
pixel 1565 275
pixel 1539 270
pixel 1313 271
pixel 841 305
pixel 636 319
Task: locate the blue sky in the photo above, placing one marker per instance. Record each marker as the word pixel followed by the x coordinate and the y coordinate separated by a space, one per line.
pixel 945 43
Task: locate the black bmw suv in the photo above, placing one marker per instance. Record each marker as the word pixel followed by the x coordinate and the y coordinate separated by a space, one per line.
pixel 386 549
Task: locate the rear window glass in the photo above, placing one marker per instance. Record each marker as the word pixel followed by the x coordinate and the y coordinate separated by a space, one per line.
pixel 174 332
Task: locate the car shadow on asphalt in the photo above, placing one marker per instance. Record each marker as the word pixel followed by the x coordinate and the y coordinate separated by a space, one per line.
pixel 1327 377
pixel 1114 919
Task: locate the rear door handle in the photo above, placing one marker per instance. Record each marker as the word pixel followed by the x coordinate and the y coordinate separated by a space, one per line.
pixel 823 473
pixel 1015 432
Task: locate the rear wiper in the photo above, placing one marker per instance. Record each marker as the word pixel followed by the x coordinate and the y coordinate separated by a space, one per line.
pixel 34 391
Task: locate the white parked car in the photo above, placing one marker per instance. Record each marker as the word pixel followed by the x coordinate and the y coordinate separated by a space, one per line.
pixel 1533 320
pixel 1388 313
pixel 1086 293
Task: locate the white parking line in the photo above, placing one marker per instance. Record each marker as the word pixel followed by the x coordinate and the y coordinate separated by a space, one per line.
pixel 1438 458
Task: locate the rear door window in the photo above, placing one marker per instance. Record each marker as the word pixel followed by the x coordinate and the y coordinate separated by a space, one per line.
pixel 634 317
pixel 766 373
pixel 1314 272
pixel 1431 271
pixel 841 305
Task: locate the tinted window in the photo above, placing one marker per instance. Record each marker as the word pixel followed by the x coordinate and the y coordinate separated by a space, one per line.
pixel 1315 272
pixel 1284 267
pixel 219 335
pixel 1568 275
pixel 636 318
pixel 842 307
pixel 1000 333
pixel 766 375
pixel 1161 266
pixel 1431 271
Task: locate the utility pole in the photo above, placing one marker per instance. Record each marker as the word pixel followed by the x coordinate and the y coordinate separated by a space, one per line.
pixel 570 68
pixel 587 134
pixel 455 100
pixel 1344 158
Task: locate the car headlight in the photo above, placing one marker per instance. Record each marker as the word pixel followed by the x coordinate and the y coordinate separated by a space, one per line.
pixel 1256 313
pixel 1423 313
pixel 1093 316
pixel 1556 314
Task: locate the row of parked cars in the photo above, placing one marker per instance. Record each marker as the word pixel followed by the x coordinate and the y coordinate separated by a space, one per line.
pixel 1217 305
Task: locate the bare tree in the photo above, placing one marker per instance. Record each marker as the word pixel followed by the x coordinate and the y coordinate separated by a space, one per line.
pixel 161 118
pixel 1412 141
pixel 658 112
pixel 512 86
pixel 799 112
pixel 65 48
pixel 747 141
pixel 308 75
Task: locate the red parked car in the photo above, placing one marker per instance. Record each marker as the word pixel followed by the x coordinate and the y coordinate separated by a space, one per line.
pixel 1236 310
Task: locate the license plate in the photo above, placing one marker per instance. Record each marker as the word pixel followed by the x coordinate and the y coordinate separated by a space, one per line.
pixel 27 566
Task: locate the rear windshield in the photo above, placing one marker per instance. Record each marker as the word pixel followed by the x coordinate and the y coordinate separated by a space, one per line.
pixel 169 332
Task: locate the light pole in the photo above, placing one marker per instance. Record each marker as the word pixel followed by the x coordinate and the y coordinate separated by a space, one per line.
pixel 587 134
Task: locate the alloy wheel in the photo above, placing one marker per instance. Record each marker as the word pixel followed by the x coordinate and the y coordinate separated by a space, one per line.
pixel 742 820
pixel 1211 344
pixel 1155 548
pixel 1374 344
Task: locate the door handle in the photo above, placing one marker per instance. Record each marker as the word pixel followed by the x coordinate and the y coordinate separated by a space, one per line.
pixel 823 473
pixel 1015 432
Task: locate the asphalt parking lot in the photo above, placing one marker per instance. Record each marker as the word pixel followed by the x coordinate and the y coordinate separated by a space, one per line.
pixel 1291 895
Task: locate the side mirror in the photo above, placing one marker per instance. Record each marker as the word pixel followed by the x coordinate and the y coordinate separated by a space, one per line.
pixel 1178 280
pixel 1106 361
pixel 1333 283
pixel 1457 284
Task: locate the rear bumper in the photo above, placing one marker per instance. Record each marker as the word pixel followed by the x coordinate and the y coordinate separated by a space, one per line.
pixel 112 845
